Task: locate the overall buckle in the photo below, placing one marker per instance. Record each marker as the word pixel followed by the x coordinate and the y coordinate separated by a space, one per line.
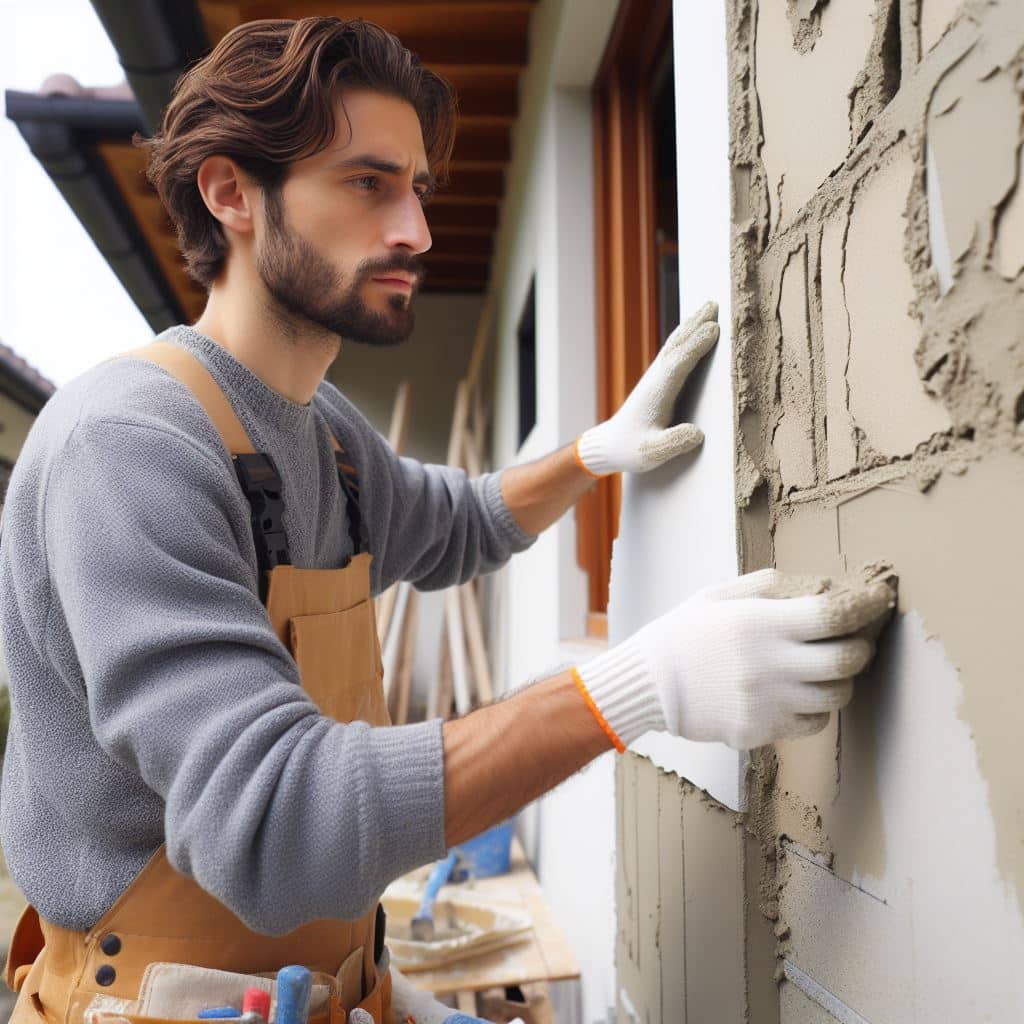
pixel 261 484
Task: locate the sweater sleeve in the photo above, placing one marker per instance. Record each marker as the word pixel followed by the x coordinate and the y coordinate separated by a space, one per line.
pixel 283 815
pixel 429 524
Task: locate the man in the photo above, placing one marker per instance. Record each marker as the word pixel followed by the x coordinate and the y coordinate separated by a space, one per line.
pixel 199 771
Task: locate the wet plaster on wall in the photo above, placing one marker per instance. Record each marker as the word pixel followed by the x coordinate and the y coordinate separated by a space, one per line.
pixel 793 437
pixel 887 398
pixel 804 98
pixel 915 409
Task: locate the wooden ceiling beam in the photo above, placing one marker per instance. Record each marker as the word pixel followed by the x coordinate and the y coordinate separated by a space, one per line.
pixel 488 183
pixel 469 219
pixel 454 243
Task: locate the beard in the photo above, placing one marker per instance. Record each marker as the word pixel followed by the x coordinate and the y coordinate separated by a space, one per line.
pixel 304 286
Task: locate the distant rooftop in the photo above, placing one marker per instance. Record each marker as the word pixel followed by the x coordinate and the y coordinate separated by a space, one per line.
pixel 22 381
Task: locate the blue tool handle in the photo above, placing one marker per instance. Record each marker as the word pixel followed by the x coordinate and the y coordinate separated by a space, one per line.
pixel 441 873
pixel 294 985
pixel 218 1013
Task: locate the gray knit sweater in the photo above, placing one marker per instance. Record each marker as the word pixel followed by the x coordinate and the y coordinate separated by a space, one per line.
pixel 151 700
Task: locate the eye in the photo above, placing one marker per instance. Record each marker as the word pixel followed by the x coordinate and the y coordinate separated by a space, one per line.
pixel 424 195
pixel 368 183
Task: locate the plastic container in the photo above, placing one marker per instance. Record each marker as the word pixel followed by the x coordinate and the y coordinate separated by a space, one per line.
pixel 486 855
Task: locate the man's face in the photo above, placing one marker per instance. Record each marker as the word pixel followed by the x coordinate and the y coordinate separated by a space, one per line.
pixel 340 240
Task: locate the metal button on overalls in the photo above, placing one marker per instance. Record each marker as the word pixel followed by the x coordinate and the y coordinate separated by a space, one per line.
pixel 326 619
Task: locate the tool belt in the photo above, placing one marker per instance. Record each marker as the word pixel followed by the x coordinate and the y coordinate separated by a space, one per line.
pixel 166 942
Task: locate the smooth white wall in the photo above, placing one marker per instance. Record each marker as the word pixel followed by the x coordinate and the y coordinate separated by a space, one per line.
pixel 678 524
pixel 547 228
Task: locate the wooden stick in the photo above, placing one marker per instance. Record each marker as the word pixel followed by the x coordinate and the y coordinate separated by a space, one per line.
pixel 471 455
pixel 385 609
pixel 403 686
pixel 483 335
pixel 400 418
pixel 393 644
pixel 465 1002
pixel 475 642
pixel 457 650
pixel 442 688
pixel 478 420
pixel 458 423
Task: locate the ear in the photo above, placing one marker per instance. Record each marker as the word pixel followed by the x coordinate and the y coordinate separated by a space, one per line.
pixel 228 193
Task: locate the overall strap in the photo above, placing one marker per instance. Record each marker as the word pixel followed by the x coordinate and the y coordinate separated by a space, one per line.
pixel 256 472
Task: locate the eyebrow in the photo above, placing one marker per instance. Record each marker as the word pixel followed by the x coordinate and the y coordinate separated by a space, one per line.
pixel 376 163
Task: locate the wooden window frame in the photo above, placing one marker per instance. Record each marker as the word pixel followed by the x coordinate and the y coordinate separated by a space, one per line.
pixel 626 265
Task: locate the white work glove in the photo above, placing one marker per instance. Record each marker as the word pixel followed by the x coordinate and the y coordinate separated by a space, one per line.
pixel 735 664
pixel 638 437
pixel 409 1003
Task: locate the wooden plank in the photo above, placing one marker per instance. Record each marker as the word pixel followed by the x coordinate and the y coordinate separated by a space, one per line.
pixel 399 427
pixel 465 1002
pixel 457 651
pixel 475 642
pixel 406 662
pixel 393 644
pixel 471 454
pixel 483 334
pixel 458 423
pixel 441 691
pixel 385 609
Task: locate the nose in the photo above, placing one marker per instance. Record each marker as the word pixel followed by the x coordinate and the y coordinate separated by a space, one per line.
pixel 408 227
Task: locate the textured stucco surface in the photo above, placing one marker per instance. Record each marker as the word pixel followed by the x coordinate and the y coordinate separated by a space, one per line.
pixel 878 317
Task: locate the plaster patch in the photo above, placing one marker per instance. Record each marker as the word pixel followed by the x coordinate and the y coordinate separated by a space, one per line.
pixel 972 598
pixel 793 439
pixel 805 21
pixel 1010 229
pixel 879 79
pixel 859 949
pixel 940 884
pixel 835 326
pixel 935 18
pixel 796 1008
pixel 887 399
pixel 974 128
pixel 803 98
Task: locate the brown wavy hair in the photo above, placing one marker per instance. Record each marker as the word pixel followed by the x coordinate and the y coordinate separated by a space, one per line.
pixel 264 96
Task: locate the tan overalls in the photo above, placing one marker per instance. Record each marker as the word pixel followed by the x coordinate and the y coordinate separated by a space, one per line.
pixel 326 619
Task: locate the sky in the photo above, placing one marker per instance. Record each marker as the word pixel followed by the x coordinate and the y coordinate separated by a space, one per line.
pixel 61 307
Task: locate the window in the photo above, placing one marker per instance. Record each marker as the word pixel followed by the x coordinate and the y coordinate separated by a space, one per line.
pixel 636 237
pixel 527 347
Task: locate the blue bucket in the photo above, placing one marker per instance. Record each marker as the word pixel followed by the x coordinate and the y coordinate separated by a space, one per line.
pixel 488 854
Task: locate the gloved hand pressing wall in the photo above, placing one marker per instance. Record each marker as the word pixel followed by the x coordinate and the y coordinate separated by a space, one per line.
pixel 737 664
pixel 638 437
pixel 410 1003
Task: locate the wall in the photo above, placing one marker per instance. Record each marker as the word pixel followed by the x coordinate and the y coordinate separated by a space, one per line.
pixel 877 325
pixel 433 360
pixel 15 423
pixel 539 605
pixel 879 373
pixel 682 871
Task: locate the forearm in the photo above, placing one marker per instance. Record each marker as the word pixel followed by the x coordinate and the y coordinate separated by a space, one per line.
pixel 499 758
pixel 540 492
